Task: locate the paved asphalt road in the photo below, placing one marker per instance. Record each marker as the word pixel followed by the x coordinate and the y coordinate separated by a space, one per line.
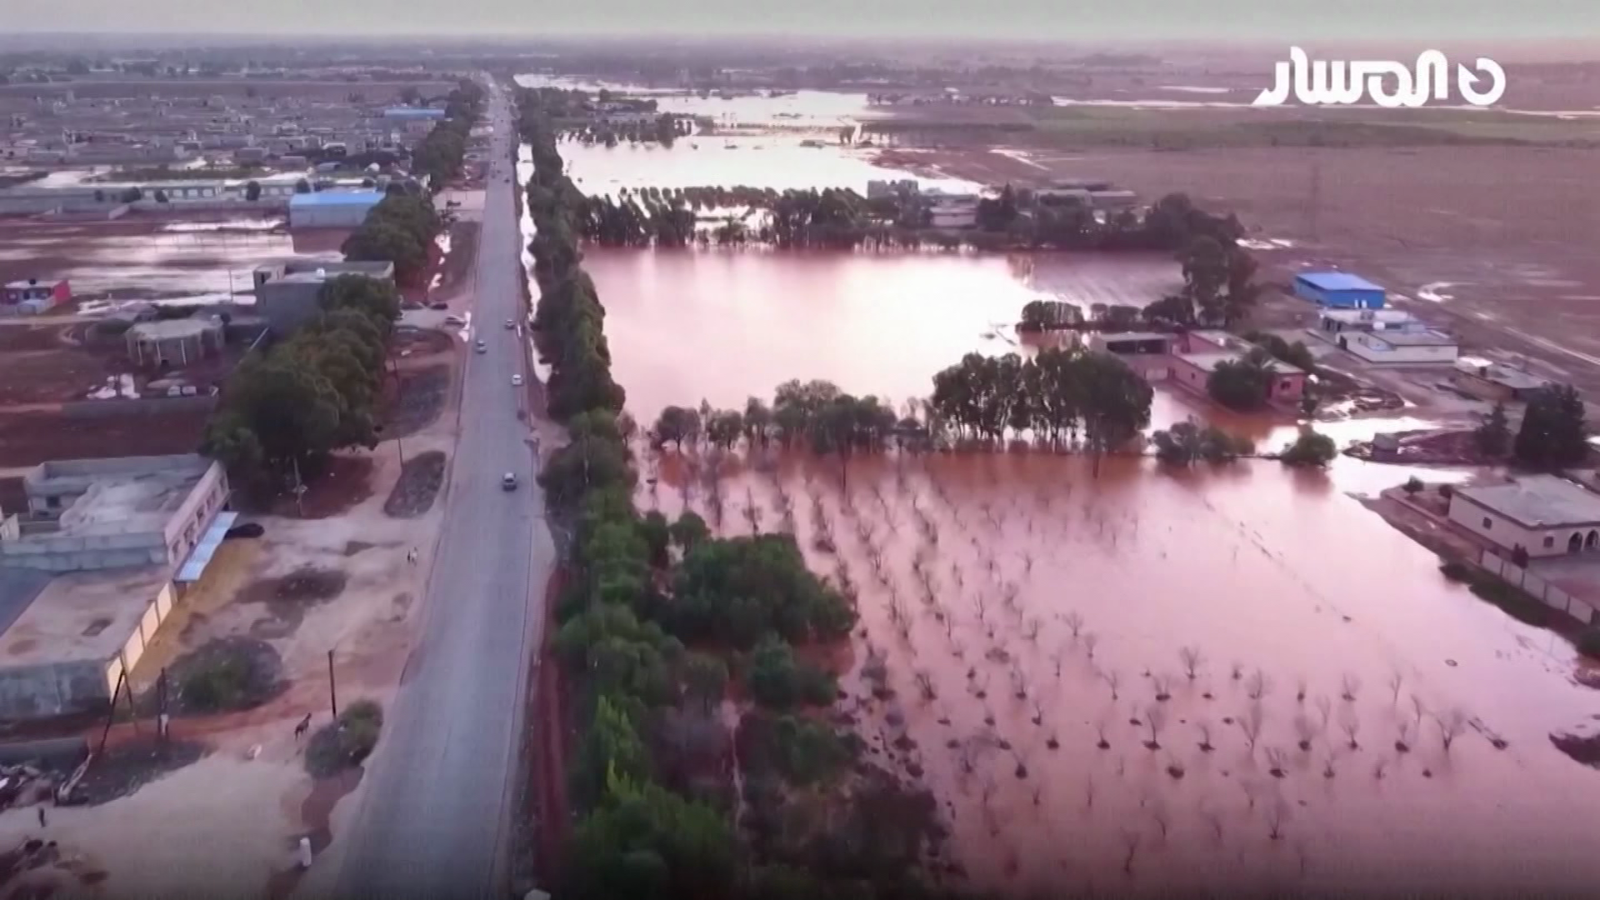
pixel 436 816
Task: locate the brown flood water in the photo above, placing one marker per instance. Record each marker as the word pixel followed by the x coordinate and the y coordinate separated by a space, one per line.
pixel 1278 571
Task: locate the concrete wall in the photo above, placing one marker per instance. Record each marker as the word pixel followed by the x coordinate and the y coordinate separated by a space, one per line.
pixel 144 406
pixel 53 689
pixel 287 305
pixel 1544 591
pixel 79 554
pixel 1503 532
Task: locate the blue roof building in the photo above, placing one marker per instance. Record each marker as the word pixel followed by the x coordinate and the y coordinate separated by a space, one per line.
pixel 1338 290
pixel 332 209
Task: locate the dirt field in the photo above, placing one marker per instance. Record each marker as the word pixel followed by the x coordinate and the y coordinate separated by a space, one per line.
pixel 27 439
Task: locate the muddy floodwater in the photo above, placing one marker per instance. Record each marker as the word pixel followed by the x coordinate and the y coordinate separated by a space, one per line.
pixel 1024 624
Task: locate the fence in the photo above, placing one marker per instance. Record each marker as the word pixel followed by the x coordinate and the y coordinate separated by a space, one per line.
pixel 1537 587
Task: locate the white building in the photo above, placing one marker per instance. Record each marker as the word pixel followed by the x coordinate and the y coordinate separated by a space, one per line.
pixel 1546 515
pixel 1400 347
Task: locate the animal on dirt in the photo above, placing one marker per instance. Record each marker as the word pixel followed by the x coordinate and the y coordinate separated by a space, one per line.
pixel 304 726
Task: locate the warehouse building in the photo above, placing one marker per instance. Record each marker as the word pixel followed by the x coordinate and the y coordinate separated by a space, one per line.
pixel 332 209
pixel 1338 290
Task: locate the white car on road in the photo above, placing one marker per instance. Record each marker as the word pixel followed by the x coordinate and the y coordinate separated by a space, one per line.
pixel 516 381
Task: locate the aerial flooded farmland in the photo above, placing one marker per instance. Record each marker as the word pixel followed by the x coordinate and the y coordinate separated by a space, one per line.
pixel 1109 675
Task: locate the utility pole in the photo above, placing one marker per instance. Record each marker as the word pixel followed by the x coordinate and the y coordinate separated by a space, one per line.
pixel 333 691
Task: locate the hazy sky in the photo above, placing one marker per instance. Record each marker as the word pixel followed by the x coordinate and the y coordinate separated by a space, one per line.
pixel 1058 20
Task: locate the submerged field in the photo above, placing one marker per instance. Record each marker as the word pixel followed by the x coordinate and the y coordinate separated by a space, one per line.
pixel 1051 753
pixel 1027 628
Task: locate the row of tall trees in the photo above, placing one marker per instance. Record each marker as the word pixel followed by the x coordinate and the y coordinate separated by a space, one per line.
pixel 659 617
pixel 285 410
pixel 1059 396
pixel 441 154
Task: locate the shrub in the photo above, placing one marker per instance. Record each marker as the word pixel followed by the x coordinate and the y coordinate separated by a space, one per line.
pixel 347 741
pixel 223 684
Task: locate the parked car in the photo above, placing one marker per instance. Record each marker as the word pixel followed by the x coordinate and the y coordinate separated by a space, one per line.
pixel 440 305
pixel 482 347
pixel 454 320
pixel 508 482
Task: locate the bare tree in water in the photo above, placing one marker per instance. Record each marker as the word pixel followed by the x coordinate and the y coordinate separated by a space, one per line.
pixel 1090 641
pixel 1251 723
pixel 1350 685
pixel 1258 685
pixel 1350 724
pixel 1191 659
pixel 1450 725
pixel 1112 679
pixel 1074 620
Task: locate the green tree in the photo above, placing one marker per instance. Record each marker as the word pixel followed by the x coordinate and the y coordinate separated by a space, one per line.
pixel 1555 431
pixel 374 298
pixel 780 681
pixel 677 425
pixel 1186 443
pixel 689 531
pixel 706 678
pixel 645 841
pixel 1116 403
pixel 252 191
pixel 1493 434
pixel 1242 384
pixel 302 186
pixel 1310 450
pixel 160 196
pixel 611 745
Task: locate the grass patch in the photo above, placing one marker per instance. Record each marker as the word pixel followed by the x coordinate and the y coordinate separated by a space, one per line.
pixel 345 742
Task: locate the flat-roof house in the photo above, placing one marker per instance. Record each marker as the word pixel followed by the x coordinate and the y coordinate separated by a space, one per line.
pixel 1338 290
pixel 1336 321
pixel 92 570
pixel 1495 382
pixel 1381 348
pixel 1193 371
pixel 1543 514
pixel 1132 343
pixel 32 296
pixel 288 294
